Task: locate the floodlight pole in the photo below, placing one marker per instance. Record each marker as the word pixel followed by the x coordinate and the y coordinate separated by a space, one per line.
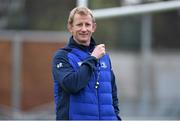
pixel 16 75
pixel 146 59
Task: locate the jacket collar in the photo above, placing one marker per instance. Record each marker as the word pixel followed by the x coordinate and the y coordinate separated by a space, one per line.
pixel 73 44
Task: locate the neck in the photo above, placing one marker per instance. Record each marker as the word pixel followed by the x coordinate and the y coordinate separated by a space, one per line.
pixel 82 43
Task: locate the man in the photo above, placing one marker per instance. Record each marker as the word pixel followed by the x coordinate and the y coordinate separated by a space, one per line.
pixel 84 84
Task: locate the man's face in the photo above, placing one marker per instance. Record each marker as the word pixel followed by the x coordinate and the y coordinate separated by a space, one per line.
pixel 82 29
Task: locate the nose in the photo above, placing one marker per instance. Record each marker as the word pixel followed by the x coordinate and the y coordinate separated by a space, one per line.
pixel 83 28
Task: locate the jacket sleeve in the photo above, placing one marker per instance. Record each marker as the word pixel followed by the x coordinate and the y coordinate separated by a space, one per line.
pixel 70 80
pixel 114 96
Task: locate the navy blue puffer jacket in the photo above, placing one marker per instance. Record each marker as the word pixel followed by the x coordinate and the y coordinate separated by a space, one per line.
pixel 84 88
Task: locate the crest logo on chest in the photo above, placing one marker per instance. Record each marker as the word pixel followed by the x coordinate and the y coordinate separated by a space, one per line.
pixel 79 63
pixel 103 65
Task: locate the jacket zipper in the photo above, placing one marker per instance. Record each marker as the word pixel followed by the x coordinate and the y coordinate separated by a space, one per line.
pixel 96 89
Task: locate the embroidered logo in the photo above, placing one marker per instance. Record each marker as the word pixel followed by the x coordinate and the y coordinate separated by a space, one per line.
pixel 103 65
pixel 79 63
pixel 59 65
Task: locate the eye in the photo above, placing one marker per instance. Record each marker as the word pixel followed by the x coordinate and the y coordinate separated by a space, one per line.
pixel 87 24
pixel 80 24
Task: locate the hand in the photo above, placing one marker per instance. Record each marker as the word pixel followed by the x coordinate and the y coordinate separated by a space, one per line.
pixel 99 51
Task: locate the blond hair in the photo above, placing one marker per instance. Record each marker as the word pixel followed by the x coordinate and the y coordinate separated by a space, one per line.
pixel 81 11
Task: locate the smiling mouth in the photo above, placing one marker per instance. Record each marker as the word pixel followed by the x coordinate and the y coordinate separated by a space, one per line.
pixel 83 34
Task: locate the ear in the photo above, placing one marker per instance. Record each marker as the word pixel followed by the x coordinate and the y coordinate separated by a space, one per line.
pixel 94 27
pixel 69 27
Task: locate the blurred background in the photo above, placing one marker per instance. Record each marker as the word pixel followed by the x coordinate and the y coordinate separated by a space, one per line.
pixel 142 37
